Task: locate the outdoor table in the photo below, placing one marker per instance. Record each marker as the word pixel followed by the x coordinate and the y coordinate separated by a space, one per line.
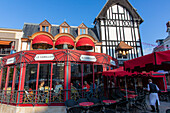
pixel 131 96
pixel 86 105
pixel 109 101
pixel 127 91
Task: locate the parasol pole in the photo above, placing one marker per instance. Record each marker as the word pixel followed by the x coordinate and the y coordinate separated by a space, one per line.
pixel 127 106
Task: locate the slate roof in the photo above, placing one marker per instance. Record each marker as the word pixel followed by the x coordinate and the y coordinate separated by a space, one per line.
pixel 29 29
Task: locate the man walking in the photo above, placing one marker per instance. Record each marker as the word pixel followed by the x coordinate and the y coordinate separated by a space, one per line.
pixel 153 96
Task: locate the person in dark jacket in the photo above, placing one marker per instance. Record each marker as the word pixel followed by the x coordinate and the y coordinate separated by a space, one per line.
pixel 153 95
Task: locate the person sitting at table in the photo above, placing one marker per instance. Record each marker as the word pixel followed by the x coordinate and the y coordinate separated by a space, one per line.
pixel 86 86
pixel 58 87
pixel 41 86
pixel 91 87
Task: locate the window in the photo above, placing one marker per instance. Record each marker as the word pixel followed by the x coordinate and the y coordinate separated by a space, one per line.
pixel 43 28
pixel 30 77
pixel 44 77
pixel 64 30
pixel 82 31
pixel 4 78
pixel 47 28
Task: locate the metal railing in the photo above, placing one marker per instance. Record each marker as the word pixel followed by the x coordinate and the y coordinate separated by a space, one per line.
pixel 45 97
pixel 5 50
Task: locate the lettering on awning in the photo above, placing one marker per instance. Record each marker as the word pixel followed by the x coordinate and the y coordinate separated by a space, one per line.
pixel 88 58
pixel 44 57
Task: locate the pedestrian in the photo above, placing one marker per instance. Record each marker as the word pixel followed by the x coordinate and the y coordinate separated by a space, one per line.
pixel 153 96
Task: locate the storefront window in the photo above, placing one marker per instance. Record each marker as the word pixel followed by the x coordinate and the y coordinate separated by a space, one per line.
pixel 76 76
pixel 88 78
pixel 98 69
pixel 10 78
pixel 30 77
pixel 17 74
pixel 4 78
pixel 44 77
pixel 58 77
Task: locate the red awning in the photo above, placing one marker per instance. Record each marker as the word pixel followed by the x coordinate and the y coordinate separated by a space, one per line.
pixel 42 39
pixel 154 61
pixel 85 42
pixel 117 72
pixel 64 40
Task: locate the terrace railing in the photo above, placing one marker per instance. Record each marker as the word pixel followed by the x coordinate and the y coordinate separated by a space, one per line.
pixel 45 97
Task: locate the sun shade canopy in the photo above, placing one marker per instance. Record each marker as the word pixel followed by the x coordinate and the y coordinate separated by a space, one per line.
pixel 85 42
pixel 151 62
pixel 64 40
pixel 5 42
pixel 42 39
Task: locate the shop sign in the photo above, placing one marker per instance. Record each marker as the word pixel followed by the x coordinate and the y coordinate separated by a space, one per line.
pixel 44 57
pixel 10 60
pixel 112 62
pixel 88 58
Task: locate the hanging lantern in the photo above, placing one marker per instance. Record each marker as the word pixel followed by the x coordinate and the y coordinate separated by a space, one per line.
pixel 124 53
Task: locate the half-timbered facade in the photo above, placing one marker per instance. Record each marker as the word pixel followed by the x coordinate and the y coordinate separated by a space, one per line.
pixel 118 21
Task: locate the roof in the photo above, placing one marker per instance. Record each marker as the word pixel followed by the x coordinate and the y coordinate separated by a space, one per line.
pixel 123 45
pixel 29 29
pixel 124 3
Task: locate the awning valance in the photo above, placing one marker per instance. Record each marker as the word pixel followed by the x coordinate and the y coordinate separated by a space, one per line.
pixel 5 42
pixel 85 42
pixel 64 40
pixel 151 62
pixel 42 39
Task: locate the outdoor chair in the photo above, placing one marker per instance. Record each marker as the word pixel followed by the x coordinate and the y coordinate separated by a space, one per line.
pixel 82 100
pixel 122 106
pixel 103 98
pixel 141 102
pixel 72 107
pixel 110 108
pixel 94 100
pixel 28 97
pixel 97 108
pixel 168 111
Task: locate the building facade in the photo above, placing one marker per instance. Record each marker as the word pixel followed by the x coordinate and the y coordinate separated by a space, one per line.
pixel 118 21
pixel 9 39
pixel 163 44
pixel 116 24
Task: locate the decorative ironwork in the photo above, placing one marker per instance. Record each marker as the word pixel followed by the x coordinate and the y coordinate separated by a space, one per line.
pixel 27 57
pixel 67 55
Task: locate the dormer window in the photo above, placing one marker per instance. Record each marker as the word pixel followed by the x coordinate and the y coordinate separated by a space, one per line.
pixel 64 28
pixel 45 26
pixel 82 29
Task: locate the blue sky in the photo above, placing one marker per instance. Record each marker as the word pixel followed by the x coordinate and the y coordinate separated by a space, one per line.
pixel 14 13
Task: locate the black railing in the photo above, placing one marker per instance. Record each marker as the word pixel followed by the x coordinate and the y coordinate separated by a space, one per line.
pixel 45 97
pixel 5 50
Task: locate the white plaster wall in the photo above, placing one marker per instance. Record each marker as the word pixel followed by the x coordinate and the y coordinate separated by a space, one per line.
pixel 19 36
pixel 24 46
